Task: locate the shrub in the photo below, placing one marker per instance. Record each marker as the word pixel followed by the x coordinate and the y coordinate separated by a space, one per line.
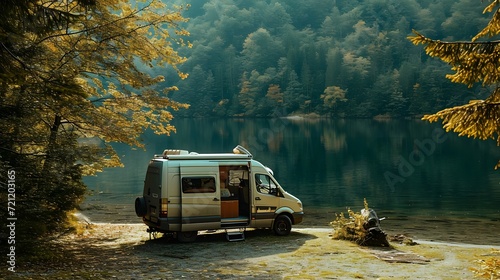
pixel 358 228
pixel 350 228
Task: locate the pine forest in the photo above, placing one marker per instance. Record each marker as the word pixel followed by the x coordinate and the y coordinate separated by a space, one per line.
pixel 349 59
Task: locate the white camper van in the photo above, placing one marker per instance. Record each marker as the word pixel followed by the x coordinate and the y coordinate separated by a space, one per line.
pixel 189 192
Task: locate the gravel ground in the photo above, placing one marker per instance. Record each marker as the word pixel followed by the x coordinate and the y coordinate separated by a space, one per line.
pixel 124 251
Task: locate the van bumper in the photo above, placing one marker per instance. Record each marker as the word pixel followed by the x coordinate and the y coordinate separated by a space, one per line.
pixel 150 223
pixel 161 225
pixel 297 217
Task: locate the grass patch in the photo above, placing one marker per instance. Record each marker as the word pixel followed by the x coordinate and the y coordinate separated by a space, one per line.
pixel 488 268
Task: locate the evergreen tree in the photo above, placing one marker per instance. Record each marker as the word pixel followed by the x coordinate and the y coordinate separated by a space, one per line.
pixel 294 94
pixel 472 62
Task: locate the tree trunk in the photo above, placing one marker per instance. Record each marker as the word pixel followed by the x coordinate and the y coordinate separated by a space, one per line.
pixel 51 145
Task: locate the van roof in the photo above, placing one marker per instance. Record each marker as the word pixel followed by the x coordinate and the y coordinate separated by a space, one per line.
pixel 238 153
pixel 196 156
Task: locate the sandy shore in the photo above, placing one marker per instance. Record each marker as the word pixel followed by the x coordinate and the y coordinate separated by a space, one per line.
pixel 124 251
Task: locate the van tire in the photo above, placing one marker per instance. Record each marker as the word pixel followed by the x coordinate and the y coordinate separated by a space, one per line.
pixel 187 236
pixel 282 225
pixel 140 207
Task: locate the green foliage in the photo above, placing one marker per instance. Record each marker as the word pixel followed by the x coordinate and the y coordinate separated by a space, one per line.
pixel 358 46
pixel 472 62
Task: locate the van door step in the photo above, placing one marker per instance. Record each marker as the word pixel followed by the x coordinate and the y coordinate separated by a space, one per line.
pixel 235 235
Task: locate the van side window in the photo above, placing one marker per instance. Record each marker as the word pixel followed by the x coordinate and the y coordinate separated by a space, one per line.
pixel 198 184
pixel 265 184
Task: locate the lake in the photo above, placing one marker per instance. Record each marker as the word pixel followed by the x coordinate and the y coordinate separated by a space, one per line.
pixel 427 183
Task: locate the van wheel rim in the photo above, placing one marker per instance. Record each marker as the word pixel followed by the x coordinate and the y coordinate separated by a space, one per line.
pixel 282 227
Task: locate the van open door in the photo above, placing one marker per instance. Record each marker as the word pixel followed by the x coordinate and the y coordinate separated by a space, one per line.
pixel 200 196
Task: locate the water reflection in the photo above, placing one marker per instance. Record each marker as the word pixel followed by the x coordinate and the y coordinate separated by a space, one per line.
pixel 333 164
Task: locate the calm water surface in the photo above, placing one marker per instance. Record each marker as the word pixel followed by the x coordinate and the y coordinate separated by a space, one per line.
pixel 429 184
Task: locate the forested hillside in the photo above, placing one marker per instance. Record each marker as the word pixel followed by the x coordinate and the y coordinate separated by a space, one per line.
pixel 339 58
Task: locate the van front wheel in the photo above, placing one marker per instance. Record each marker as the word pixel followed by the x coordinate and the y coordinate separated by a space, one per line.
pixel 282 225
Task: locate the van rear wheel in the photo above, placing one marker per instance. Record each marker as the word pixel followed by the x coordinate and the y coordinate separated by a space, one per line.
pixel 187 236
pixel 282 225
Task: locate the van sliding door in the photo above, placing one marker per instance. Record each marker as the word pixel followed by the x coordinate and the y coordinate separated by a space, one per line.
pixel 200 196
